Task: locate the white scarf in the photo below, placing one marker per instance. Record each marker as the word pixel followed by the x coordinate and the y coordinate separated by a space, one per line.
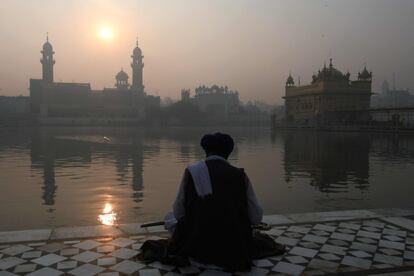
pixel 201 176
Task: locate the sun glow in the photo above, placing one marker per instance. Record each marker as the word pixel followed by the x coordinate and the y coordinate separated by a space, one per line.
pixel 106 33
pixel 108 216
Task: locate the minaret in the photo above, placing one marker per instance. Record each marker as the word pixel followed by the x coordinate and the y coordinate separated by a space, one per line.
pixel 137 70
pixel 47 61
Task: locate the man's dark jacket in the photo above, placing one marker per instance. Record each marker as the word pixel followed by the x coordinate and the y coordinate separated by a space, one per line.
pixel 216 228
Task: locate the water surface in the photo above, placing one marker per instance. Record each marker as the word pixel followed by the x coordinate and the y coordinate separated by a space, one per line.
pixel 53 177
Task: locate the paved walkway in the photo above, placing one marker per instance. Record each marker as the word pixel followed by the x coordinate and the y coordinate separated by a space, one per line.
pixel 362 242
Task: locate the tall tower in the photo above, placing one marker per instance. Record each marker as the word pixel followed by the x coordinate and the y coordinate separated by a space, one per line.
pixel 47 61
pixel 137 70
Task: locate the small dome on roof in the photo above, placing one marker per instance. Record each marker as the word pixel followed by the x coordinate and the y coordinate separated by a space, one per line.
pixel 122 75
pixel 290 81
pixel 365 75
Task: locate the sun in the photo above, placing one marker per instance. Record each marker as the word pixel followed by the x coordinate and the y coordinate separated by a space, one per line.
pixel 106 33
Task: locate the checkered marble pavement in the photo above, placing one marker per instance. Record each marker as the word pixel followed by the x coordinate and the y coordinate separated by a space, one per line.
pixel 313 249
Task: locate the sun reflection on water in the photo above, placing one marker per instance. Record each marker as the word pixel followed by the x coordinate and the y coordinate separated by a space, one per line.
pixel 108 216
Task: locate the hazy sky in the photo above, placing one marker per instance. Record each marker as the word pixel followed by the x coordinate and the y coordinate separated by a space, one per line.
pixel 249 45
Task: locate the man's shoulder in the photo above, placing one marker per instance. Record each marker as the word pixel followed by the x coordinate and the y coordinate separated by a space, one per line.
pixel 224 165
pixel 241 170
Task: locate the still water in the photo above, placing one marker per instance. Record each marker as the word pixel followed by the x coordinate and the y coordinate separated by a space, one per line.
pixel 52 177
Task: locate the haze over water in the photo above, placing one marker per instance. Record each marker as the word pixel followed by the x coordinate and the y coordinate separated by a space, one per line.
pixel 68 176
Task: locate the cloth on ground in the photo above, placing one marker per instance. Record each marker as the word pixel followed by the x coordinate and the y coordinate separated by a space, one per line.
pixel 263 246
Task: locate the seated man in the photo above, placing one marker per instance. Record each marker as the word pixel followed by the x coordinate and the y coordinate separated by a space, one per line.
pixel 215 208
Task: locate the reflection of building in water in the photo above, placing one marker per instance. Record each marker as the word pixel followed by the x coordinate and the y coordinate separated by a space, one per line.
pixel 137 160
pixel 392 146
pixel 45 151
pixel 330 98
pixel 49 153
pixel 130 159
pixel 333 161
pixel 57 102
pixel 49 188
pixel 121 164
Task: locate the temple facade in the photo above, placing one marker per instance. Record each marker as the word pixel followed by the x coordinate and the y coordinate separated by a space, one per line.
pixel 60 102
pixel 331 98
pixel 392 97
pixel 217 100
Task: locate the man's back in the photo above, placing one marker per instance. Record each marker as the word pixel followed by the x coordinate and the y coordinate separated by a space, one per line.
pixel 216 228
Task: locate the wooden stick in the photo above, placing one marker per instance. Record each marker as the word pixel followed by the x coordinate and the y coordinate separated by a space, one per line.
pixel 261 226
pixel 158 223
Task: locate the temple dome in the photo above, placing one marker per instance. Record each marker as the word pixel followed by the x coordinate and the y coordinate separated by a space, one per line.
pixel 331 73
pixel 335 73
pixel 122 75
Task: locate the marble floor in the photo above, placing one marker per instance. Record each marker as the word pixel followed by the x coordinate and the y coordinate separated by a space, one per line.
pixel 361 242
